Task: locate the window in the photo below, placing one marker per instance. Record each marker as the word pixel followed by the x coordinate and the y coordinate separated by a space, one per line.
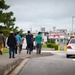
pixel 72 41
pixel 61 40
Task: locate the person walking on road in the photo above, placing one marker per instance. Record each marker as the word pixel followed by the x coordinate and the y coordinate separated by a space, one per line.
pixel 29 40
pixel 1 42
pixel 18 41
pixel 21 42
pixel 38 40
pixel 11 42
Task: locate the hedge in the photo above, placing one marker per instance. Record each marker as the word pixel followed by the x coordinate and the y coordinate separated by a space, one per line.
pixel 51 40
pixel 52 45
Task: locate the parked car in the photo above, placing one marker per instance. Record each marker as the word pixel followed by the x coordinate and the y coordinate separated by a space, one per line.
pixel 70 48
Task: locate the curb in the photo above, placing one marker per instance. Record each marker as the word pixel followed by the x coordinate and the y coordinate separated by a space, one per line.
pixel 18 68
pixel 8 67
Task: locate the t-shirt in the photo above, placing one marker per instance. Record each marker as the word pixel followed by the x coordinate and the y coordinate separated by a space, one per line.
pixel 18 38
pixel 38 39
pixel 29 38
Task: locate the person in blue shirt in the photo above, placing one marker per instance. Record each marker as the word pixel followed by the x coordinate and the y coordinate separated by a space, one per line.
pixel 18 37
pixel 29 41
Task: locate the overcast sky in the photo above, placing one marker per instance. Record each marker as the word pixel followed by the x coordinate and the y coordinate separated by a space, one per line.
pixel 43 13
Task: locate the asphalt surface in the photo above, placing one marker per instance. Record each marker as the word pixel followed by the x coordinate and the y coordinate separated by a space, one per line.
pixel 57 64
pixel 7 64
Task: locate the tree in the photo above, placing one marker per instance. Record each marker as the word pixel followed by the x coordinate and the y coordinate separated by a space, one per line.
pixel 15 29
pixel 5 30
pixel 21 31
pixel 7 19
pixel 3 6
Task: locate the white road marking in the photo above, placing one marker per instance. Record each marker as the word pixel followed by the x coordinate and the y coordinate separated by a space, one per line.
pixel 73 59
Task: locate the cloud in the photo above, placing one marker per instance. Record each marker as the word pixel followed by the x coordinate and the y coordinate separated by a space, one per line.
pixel 43 13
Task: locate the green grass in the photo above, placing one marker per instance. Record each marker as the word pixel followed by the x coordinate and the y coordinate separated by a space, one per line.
pixel 5 51
pixel 44 46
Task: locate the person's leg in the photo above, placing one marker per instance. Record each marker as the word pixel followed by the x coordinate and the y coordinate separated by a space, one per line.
pixel 10 52
pixel 39 48
pixel 13 52
pixel 0 52
pixel 16 50
pixel 27 48
pixel 30 48
pixel 20 48
pixel 0 49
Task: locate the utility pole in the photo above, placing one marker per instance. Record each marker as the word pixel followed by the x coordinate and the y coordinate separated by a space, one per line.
pixel 72 23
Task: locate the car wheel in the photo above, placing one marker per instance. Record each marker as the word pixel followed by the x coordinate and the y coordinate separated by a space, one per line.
pixel 67 56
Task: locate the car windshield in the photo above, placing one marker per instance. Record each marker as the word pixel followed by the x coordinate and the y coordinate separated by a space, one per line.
pixel 72 41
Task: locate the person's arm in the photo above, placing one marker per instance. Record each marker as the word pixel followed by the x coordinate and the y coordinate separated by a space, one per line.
pixel 15 40
pixel 20 38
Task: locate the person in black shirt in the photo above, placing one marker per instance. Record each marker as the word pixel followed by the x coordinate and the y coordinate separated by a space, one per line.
pixel 29 40
pixel 11 42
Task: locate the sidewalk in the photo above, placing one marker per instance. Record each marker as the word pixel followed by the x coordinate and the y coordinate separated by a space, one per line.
pixel 7 64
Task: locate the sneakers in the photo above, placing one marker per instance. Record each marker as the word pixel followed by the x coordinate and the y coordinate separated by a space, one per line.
pixel 13 57
pixel 28 52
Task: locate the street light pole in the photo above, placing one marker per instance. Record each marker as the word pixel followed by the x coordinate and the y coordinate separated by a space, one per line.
pixel 72 23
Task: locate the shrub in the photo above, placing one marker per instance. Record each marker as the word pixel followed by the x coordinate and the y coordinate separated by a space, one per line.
pixel 44 46
pixel 48 45
pixel 51 41
pixel 55 46
pixel 52 45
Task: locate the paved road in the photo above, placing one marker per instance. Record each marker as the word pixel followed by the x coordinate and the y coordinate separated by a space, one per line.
pixel 57 64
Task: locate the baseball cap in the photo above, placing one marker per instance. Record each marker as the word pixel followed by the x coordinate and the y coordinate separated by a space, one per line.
pixel 11 32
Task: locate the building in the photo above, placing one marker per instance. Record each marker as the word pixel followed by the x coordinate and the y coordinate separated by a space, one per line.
pixel 60 36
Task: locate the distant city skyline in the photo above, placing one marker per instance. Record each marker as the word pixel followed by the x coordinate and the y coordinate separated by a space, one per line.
pixel 46 29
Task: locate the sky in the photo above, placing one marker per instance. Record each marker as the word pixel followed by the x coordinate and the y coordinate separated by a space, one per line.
pixel 35 14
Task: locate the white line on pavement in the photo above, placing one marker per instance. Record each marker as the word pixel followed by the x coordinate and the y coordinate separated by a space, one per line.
pixel 73 59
